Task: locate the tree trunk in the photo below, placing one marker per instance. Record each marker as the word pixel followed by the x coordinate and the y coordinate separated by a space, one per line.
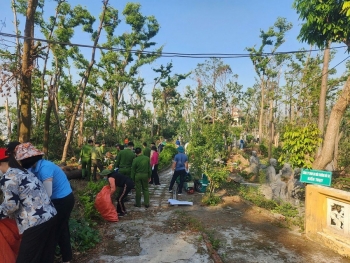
pixel 336 150
pixel 8 121
pixel 49 89
pixel 261 113
pixel 323 94
pixel 83 85
pixel 81 124
pixel 271 130
pixel 18 53
pixel 27 67
pixel 112 108
pixel 333 128
pixel 47 121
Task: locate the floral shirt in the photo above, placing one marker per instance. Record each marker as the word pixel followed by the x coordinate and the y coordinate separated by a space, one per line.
pixel 25 199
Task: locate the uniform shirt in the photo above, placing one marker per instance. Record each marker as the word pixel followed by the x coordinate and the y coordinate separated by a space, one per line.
pixel 141 165
pixel 102 148
pixel 146 151
pixel 180 160
pixel 85 152
pixel 121 180
pixel 60 185
pixel 125 158
pixel 96 153
pixel 25 198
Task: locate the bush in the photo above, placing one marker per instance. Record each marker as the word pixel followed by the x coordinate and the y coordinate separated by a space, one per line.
pixel 263 149
pixel 253 195
pixel 82 235
pixel 212 200
pixel 87 199
pixel 166 156
pixel 250 138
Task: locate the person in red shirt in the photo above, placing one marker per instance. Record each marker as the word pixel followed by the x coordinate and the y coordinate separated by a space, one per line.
pixel 126 141
pixel 154 165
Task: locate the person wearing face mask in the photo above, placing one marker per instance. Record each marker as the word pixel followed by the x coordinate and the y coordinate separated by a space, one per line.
pixel 26 200
pixel 57 187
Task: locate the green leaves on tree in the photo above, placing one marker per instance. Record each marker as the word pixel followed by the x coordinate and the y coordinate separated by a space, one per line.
pixel 299 145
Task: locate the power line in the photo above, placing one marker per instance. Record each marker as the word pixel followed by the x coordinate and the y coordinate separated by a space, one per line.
pixel 169 54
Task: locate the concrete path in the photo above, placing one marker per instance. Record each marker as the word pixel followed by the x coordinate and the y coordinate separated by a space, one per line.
pixel 147 235
pixel 143 234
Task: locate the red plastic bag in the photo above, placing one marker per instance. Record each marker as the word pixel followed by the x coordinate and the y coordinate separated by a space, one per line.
pixel 10 240
pixel 104 205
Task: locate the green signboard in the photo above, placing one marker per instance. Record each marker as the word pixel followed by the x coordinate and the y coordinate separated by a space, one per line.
pixel 316 177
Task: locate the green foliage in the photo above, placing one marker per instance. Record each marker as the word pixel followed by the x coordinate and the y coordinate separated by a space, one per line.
pixel 274 37
pixel 324 21
pixel 166 156
pixel 286 209
pixel 211 200
pixel 250 138
pixel 87 199
pixel 342 183
pixel 299 145
pixel 290 212
pixel 216 175
pixel 253 195
pixel 83 236
pixel 277 151
pixel 263 149
pixel 236 131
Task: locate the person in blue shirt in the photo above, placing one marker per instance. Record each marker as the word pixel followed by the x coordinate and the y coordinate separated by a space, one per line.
pixel 180 168
pixel 58 188
pixel 241 144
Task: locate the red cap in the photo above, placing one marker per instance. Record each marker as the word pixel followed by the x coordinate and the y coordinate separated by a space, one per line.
pixel 3 154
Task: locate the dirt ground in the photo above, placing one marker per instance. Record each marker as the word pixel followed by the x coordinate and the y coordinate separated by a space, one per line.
pixel 240 232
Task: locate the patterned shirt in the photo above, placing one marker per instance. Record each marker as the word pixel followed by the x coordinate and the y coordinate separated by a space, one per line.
pixel 25 199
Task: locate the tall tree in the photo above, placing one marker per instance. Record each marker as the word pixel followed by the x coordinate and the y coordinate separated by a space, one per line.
pixel 26 75
pixel 60 28
pixel 84 80
pixel 120 69
pixel 274 37
pixel 325 22
pixel 323 94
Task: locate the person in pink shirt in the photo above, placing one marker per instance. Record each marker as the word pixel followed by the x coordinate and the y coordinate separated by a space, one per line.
pixel 154 165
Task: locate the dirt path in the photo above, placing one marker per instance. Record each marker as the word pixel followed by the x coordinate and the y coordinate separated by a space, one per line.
pixel 246 235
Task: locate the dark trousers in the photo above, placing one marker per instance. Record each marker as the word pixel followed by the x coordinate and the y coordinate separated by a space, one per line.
pixel 122 193
pixel 64 207
pixel 154 176
pixel 38 243
pixel 95 164
pixel 182 174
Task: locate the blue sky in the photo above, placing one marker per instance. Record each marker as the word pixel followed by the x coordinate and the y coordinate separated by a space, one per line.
pixel 200 26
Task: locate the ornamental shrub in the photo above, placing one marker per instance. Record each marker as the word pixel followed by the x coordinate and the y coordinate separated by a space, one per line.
pixel 166 156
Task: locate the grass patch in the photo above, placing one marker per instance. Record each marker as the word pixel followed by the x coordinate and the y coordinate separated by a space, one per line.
pixel 290 212
pixel 211 200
